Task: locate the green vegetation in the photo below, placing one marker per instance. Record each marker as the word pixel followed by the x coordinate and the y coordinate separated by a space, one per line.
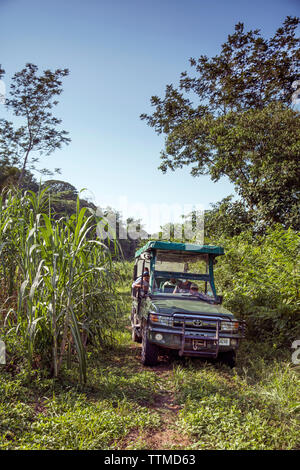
pixel 181 404
pixel 31 98
pixel 42 413
pixel 233 117
pixel 256 407
pixel 61 277
pixel 125 406
pixel 259 277
pixel 73 378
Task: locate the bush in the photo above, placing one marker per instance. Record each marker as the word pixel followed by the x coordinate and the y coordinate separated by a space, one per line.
pixel 260 281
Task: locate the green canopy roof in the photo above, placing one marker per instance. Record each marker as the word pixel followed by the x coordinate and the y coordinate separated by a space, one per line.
pixel 187 247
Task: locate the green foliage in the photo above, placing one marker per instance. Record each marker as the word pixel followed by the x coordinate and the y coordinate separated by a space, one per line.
pixel 63 197
pixel 260 281
pixel 256 408
pixel 241 124
pixel 84 426
pixel 259 150
pixel 227 218
pixel 9 177
pixel 41 413
pixel 31 99
pixel 62 277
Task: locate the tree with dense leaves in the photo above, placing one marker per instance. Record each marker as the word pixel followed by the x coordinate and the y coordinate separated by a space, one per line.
pixel 227 218
pixel 63 197
pixel 242 124
pixel 32 98
pixel 58 186
pixel 9 177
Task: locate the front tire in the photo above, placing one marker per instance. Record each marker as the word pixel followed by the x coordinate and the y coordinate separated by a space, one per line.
pixel 149 350
pixel 134 335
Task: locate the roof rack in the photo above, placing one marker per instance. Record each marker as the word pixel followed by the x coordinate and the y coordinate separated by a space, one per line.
pixel 186 247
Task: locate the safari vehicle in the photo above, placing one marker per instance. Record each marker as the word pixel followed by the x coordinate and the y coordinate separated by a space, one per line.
pixel 170 313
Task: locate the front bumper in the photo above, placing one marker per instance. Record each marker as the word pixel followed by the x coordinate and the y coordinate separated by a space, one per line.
pixel 196 341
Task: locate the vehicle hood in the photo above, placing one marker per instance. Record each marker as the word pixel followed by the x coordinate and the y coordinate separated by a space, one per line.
pixel 170 306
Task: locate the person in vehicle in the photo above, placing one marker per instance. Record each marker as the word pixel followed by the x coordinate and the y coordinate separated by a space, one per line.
pixel 182 287
pixel 168 286
pixel 194 290
pixel 138 282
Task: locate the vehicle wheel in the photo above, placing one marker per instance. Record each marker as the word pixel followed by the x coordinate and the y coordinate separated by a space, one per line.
pixel 149 350
pixel 134 335
pixel 228 358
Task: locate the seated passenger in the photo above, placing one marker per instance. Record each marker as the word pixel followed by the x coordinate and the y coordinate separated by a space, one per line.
pixel 194 290
pixel 168 286
pixel 182 287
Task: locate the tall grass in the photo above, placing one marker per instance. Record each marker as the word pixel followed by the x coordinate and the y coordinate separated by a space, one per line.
pixel 62 276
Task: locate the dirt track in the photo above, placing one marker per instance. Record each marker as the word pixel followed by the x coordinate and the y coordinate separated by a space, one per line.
pixel 168 436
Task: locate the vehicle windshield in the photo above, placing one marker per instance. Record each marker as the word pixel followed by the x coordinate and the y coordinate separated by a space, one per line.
pixel 182 275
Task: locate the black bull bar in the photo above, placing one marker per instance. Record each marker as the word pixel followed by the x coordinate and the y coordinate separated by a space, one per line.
pixel 198 331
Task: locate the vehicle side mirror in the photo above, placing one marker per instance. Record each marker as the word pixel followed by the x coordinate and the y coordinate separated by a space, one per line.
pixel 219 299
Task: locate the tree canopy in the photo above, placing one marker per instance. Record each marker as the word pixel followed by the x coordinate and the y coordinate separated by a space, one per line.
pixel 31 98
pixel 227 218
pixel 239 122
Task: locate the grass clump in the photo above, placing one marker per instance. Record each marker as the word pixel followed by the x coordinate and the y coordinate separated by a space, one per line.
pixel 255 406
pixel 83 425
pixel 60 414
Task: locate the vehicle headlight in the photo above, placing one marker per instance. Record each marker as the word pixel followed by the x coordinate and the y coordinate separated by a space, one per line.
pixel 160 319
pixel 229 326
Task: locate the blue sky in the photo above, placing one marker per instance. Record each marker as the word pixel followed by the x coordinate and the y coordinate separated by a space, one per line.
pixel 120 53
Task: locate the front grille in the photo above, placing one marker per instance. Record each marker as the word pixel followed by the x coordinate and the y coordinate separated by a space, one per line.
pixel 199 334
pixel 195 324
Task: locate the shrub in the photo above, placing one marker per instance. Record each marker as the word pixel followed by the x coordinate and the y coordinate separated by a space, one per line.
pixel 260 281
